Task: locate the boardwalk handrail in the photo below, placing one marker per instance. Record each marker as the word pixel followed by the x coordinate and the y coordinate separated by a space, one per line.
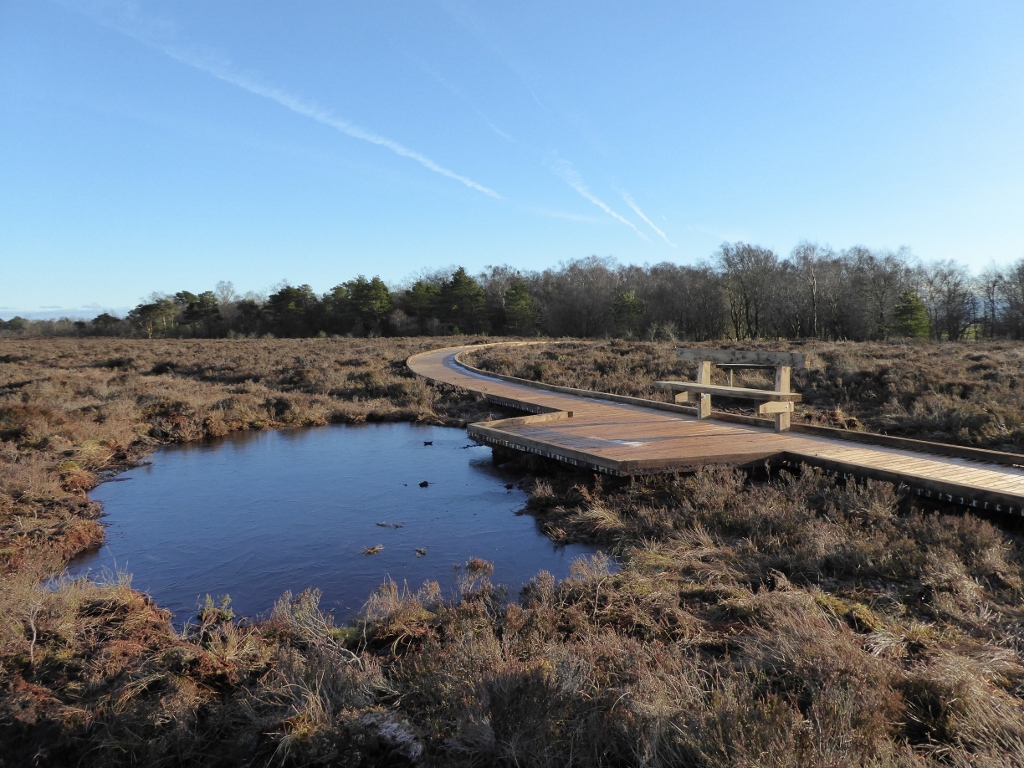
pixel 747 357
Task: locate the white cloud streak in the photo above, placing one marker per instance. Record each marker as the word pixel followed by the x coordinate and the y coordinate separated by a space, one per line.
pixel 453 89
pixel 636 209
pixel 571 176
pixel 463 15
pixel 140 30
pixel 325 117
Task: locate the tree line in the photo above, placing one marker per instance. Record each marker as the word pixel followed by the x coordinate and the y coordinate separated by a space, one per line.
pixel 743 292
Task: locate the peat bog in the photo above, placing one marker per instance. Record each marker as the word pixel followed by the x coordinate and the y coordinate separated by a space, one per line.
pixel 779 621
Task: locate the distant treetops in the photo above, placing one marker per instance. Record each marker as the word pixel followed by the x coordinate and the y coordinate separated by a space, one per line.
pixel 744 292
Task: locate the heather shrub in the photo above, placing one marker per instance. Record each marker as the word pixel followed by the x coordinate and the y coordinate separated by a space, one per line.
pixel 734 618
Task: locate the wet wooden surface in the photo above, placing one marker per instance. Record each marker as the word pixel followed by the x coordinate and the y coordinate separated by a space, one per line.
pixel 635 437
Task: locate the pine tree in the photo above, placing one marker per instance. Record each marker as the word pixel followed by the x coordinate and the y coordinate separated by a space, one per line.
pixel 911 316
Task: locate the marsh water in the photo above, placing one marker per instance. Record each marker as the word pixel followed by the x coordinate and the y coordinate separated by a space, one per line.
pixel 258 513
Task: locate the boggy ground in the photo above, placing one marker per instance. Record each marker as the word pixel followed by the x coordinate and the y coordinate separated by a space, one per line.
pixel 72 410
pixel 754 620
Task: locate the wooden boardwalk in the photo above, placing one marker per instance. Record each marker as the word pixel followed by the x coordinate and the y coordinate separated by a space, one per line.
pixel 627 436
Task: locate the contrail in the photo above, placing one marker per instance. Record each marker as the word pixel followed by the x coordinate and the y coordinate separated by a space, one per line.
pixel 452 88
pixel 571 177
pixel 636 209
pixel 216 66
pixel 323 116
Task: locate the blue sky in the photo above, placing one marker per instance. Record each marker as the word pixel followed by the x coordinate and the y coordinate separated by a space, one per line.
pixel 150 146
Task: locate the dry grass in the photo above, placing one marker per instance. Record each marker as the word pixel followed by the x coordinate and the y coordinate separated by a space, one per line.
pixel 747 620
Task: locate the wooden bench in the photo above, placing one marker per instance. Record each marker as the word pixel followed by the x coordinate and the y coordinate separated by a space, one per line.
pixel 778 402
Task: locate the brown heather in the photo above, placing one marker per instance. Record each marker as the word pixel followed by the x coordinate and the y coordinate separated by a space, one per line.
pixel 749 620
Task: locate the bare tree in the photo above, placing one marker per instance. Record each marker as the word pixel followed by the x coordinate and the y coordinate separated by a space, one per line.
pixel 989 291
pixel 1011 294
pixel 683 301
pixel 810 261
pixel 950 298
pixel 509 302
pixel 876 281
pixel 748 272
pixel 577 299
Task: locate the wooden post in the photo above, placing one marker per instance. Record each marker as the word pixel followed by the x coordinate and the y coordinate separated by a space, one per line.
pixel 703 371
pixel 782 372
pixel 704 406
pixel 704 377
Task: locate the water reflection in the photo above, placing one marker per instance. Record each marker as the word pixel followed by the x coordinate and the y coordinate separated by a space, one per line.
pixel 259 513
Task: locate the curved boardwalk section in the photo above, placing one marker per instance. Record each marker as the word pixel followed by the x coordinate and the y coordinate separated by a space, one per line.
pixel 628 436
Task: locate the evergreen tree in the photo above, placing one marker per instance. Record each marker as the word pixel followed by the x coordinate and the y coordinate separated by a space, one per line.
pixel 422 301
pixel 370 301
pixel 463 302
pixel 520 308
pixel 155 318
pixel 911 316
pixel 294 311
pixel 628 310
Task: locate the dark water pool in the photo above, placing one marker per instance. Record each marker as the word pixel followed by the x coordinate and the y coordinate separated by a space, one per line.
pixel 259 513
